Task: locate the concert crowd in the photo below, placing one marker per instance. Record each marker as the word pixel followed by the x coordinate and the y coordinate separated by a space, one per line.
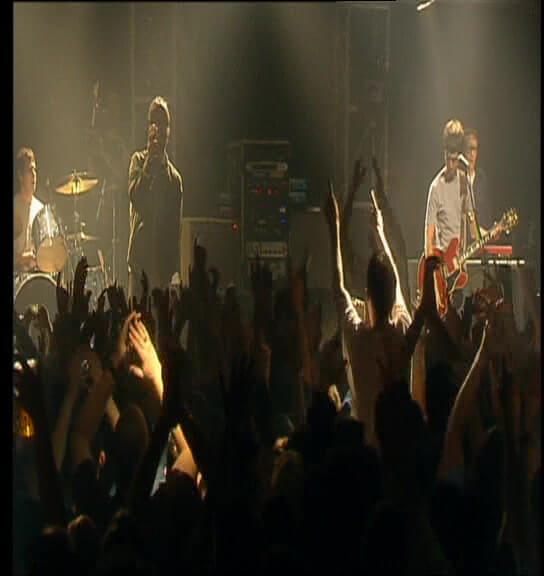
pixel 175 431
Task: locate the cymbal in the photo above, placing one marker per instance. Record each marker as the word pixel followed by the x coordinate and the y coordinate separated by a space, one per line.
pixel 76 183
pixel 81 237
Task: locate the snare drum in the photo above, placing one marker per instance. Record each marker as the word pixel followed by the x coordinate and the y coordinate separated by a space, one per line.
pixel 36 290
pixel 48 241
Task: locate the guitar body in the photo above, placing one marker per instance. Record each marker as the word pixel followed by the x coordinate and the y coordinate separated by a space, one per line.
pixel 448 276
pixel 440 283
pixel 451 275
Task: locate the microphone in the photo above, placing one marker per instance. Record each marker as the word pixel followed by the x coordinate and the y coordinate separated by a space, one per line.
pixel 463 161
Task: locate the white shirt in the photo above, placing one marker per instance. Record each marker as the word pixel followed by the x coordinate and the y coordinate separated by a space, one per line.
pixel 25 213
pixel 444 209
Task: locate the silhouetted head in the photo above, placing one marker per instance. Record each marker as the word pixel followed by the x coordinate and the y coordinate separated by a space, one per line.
pixel 381 286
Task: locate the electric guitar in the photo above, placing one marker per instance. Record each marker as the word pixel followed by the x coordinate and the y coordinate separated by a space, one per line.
pixel 451 274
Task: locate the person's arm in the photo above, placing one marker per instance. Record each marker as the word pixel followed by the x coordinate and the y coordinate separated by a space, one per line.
pixel 427 313
pixel 112 412
pixel 87 421
pixel 345 309
pixel 142 481
pixel 452 461
pixel 185 462
pixel 399 306
pixel 62 425
pixel 150 370
pixel 431 220
pixel 430 232
pixel 298 288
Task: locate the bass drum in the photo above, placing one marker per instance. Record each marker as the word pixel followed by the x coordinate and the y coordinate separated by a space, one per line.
pixel 36 290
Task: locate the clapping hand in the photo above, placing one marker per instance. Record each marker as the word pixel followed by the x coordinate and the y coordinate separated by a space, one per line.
pixel 150 368
pixel 121 347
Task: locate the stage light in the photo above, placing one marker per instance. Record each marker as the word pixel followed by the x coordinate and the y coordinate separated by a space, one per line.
pixel 422 5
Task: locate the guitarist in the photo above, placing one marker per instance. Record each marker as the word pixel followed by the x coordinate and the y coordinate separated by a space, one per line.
pixel 448 202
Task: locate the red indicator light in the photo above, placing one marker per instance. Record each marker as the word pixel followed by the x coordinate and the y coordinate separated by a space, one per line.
pixel 235 227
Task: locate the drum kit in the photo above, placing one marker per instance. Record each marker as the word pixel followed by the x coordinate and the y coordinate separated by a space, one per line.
pixel 58 249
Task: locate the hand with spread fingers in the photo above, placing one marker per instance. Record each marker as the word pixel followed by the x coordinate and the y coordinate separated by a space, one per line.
pixel 121 348
pixel 150 368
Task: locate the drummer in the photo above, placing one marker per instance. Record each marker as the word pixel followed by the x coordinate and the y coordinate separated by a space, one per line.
pixel 26 206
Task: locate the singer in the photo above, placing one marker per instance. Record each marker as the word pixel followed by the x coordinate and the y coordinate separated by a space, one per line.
pixel 155 191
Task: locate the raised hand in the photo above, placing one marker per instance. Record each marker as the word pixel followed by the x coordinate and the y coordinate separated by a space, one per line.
pixel 121 346
pixel 80 305
pixel 331 362
pixel 102 327
pixel 63 297
pixel 150 368
pixel 359 172
pixel 198 277
pixel 428 298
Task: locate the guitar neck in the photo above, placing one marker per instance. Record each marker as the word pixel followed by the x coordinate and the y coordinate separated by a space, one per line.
pixel 479 244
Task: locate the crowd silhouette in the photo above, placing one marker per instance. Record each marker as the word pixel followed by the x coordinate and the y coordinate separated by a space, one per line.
pixel 172 432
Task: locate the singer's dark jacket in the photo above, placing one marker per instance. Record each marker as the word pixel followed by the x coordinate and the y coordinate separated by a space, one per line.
pixel 156 206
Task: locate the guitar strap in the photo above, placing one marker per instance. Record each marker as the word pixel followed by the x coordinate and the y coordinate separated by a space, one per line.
pixel 463 190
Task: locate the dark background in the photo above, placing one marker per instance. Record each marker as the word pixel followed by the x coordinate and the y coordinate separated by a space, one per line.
pixel 263 70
